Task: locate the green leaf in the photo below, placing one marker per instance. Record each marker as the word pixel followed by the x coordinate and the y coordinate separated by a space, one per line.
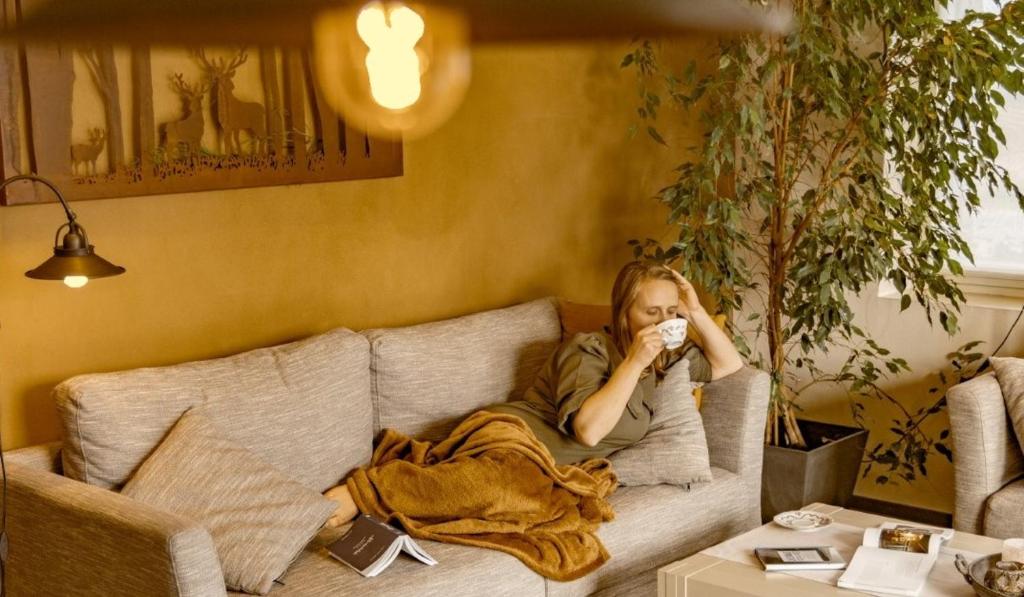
pixel 655 135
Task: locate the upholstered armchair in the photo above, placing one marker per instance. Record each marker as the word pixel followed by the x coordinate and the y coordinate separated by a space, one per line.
pixel 987 461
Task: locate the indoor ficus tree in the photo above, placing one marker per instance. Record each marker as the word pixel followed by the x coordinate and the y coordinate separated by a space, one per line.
pixel 833 158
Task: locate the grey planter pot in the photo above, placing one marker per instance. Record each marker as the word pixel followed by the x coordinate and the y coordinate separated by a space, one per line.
pixel 825 473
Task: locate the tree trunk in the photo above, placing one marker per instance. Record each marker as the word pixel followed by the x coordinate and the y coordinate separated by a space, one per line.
pixel 51 77
pixel 330 125
pixel 112 107
pixel 295 106
pixel 272 99
pixel 142 100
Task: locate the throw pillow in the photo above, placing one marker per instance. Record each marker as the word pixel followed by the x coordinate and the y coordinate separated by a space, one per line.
pixel 675 450
pixel 259 519
pixel 1010 375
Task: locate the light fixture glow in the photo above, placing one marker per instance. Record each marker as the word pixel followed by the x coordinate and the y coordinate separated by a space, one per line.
pixel 391 69
pixel 391 60
pixel 75 281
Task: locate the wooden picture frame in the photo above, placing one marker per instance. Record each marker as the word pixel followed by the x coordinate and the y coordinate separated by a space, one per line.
pixel 101 121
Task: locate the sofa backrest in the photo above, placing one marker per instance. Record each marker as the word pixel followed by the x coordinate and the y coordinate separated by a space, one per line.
pixel 303 407
pixel 426 378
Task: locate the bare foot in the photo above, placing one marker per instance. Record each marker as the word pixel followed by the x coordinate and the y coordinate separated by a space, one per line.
pixel 346 506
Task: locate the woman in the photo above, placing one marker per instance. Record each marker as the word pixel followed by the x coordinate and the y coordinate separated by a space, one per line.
pixel 591 398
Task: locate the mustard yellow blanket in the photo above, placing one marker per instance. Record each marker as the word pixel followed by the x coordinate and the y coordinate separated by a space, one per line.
pixel 492 484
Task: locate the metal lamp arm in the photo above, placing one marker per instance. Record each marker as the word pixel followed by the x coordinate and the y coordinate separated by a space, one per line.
pixel 56 191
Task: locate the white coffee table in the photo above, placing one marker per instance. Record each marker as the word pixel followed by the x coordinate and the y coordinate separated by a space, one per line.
pixel 706 575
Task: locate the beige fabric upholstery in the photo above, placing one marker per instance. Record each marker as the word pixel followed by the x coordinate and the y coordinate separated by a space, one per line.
pixel 734 412
pixel 303 407
pixel 986 453
pixel 1004 512
pixel 1010 375
pixel 259 519
pixel 461 571
pixel 69 538
pixel 659 524
pixel 674 450
pixel 44 457
pixel 654 526
pixel 427 378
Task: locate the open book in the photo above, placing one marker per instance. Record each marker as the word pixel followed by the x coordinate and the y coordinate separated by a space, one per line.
pixel 370 546
pixel 894 559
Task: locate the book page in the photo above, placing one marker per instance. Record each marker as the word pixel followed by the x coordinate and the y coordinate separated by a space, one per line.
pixel 887 570
pixel 412 548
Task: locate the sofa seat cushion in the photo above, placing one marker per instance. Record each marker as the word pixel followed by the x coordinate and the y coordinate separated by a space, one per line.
pixel 1004 512
pixel 461 571
pixel 302 407
pixel 658 524
pixel 427 378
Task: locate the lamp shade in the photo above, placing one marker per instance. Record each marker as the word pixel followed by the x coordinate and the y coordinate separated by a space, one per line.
pixel 89 266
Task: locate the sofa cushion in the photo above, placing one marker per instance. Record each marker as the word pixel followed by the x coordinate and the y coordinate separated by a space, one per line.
pixel 302 407
pixel 259 519
pixel 426 378
pixel 462 571
pixel 1010 375
pixel 674 450
pixel 1003 518
pixel 658 524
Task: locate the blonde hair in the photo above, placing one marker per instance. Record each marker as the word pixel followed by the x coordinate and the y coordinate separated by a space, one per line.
pixel 624 294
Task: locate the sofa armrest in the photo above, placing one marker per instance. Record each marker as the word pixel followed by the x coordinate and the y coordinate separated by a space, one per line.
pixel 67 537
pixel 986 455
pixel 44 457
pixel 734 411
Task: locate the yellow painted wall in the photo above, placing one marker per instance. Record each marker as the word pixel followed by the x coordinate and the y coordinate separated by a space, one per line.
pixel 531 190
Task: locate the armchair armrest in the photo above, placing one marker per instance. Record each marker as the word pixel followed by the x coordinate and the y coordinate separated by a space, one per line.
pixel 67 537
pixel 734 411
pixel 986 455
pixel 44 457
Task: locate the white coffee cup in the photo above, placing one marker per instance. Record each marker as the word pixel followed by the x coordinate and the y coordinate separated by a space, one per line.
pixel 1013 550
pixel 673 332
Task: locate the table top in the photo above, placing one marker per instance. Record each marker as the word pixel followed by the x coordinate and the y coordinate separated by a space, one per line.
pixel 707 575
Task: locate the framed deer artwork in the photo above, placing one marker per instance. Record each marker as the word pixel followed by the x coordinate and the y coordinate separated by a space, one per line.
pixel 105 121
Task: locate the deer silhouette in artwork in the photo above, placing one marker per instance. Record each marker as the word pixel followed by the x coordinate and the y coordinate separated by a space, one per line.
pixel 86 153
pixel 234 115
pixel 183 136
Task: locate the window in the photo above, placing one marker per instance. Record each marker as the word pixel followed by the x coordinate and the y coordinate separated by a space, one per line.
pixel 996 233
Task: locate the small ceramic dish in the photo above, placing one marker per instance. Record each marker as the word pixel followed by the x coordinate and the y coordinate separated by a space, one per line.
pixel 802 520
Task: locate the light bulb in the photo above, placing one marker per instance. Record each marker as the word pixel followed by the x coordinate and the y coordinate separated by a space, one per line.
pixel 75 281
pixel 391 69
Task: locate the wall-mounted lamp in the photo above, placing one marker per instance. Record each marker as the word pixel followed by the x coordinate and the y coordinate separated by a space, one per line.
pixel 74 260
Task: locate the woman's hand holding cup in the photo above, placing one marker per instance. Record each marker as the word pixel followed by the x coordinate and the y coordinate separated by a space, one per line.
pixel 646 345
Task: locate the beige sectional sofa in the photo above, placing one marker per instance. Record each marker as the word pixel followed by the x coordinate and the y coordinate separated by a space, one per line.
pixel 311 408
